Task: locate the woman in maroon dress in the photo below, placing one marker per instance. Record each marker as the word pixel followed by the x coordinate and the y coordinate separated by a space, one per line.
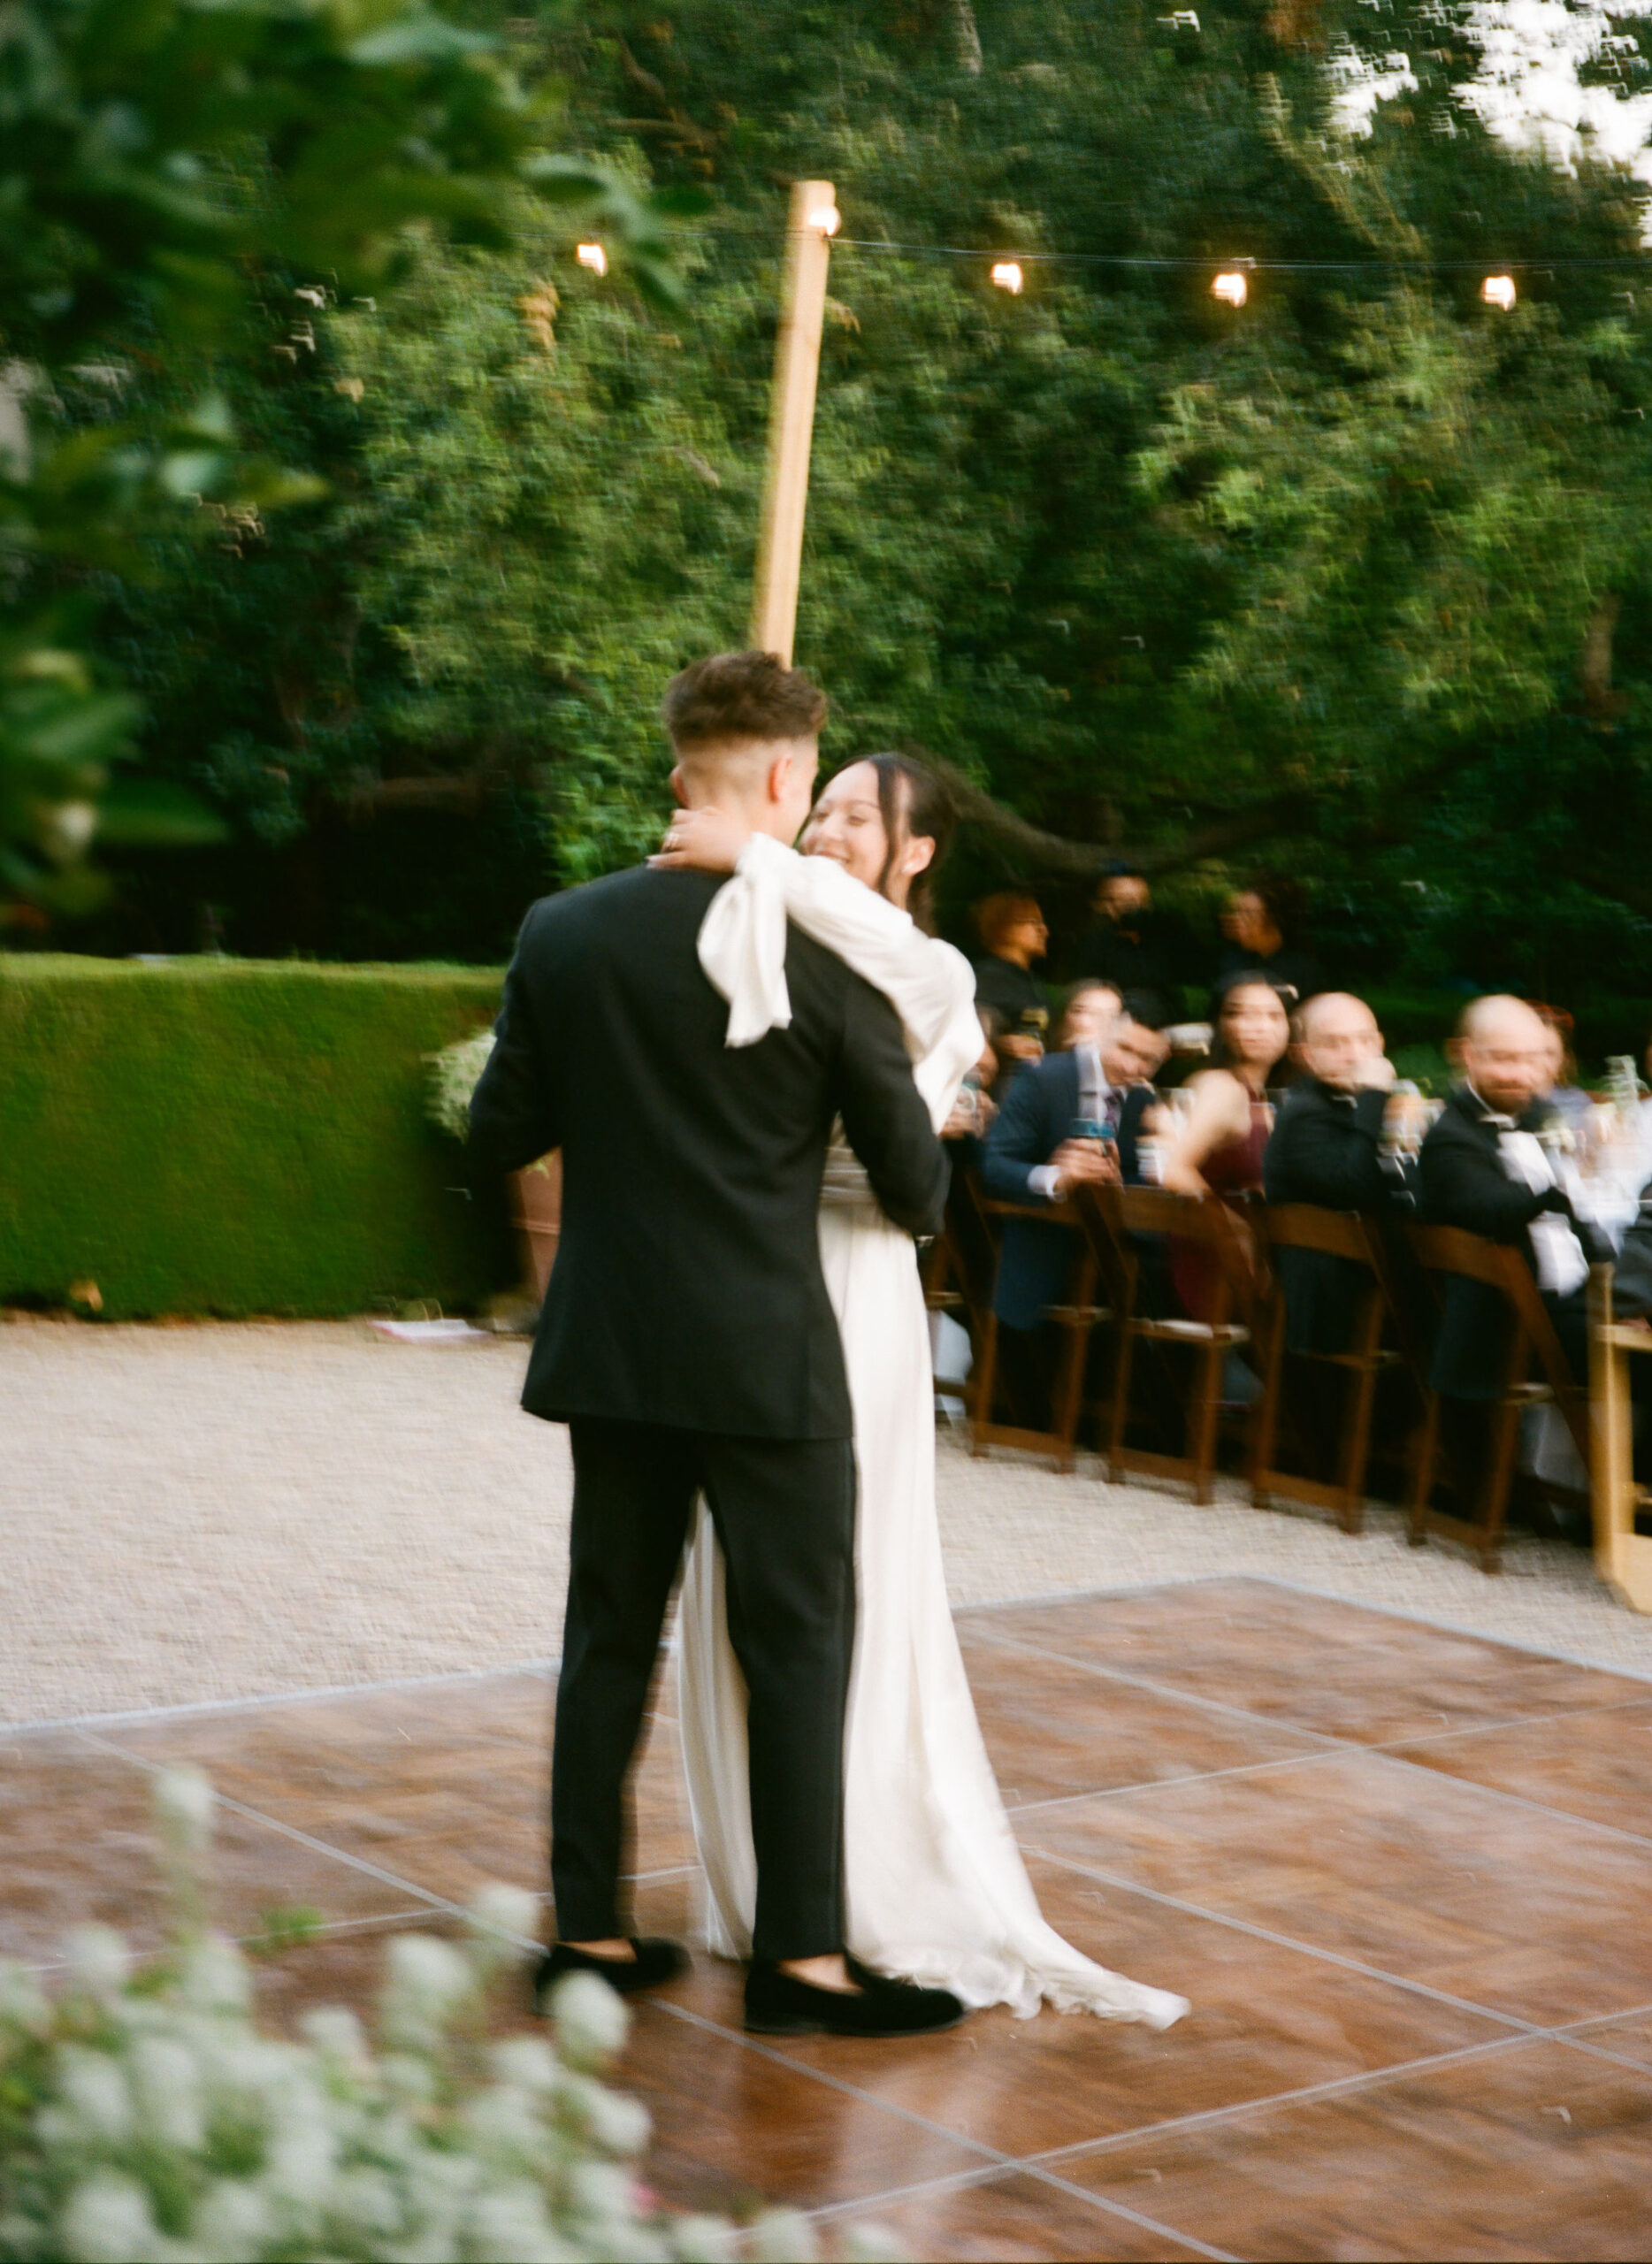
pixel 1216 1147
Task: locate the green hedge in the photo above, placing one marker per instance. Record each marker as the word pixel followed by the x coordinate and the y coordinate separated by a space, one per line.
pixel 233 1137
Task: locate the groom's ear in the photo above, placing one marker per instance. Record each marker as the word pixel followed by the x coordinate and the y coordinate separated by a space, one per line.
pixel 679 794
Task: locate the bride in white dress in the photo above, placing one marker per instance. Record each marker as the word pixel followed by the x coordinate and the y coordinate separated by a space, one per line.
pixel 936 1890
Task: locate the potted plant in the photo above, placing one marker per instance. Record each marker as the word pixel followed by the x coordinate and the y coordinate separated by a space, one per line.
pixel 536 1193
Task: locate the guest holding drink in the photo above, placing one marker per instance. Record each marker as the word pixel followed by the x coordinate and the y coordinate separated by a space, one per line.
pixel 1218 1145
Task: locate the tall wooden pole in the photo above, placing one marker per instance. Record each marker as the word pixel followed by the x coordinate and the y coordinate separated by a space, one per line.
pixel 792 418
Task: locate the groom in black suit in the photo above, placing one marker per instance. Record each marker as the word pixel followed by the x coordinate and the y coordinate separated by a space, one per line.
pixel 688 1342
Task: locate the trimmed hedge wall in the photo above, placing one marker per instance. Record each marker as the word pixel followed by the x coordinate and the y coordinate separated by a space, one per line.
pixel 233 1137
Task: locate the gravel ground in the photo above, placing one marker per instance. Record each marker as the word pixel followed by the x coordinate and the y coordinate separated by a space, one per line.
pixel 198 1513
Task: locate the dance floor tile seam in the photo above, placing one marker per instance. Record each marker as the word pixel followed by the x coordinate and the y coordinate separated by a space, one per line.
pixel 1016 1808
pixel 377 1871
pixel 1095 2216
pixel 995 2162
pixel 1325 1740
pixel 1155 1690
pixel 1329 1747
pixel 994 2157
pixel 1001 1606
pixel 1361 1966
pixel 1573 1816
pixel 1305 2094
pixel 1510 2158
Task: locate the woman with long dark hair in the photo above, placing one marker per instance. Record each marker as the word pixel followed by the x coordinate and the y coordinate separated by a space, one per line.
pixel 934 1887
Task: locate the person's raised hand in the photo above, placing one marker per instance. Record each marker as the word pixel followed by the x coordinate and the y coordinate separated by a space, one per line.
pixel 1085 1163
pixel 703 841
pixel 1019 1046
pixel 1375 1073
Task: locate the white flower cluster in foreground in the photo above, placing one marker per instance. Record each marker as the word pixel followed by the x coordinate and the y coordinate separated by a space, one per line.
pixel 145 2120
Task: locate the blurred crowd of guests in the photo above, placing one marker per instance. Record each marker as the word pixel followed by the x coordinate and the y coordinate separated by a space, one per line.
pixel 1285 1094
pixel 1153 957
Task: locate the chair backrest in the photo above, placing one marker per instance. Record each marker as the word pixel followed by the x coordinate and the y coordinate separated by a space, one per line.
pixel 1203 1220
pixel 1304 1226
pixel 1453 1251
pixel 1159 1211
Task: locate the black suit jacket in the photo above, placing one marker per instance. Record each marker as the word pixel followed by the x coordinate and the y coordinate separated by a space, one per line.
pixel 1324 1150
pixel 1036 1116
pixel 1462 1183
pixel 687 1288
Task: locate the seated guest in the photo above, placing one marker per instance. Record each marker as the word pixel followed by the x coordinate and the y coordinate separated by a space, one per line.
pixel 1030 1155
pixel 1260 923
pixel 1012 929
pixel 1483 1168
pixel 1565 1096
pixel 1137 1051
pixel 1218 1145
pixel 1131 943
pixel 1091 1012
pixel 1328 1148
pixel 974 1109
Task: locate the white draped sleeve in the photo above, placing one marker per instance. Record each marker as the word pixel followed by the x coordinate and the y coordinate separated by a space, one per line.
pixel 931 986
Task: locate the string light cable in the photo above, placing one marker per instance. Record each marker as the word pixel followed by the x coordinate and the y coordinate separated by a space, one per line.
pixel 1541 264
pixel 1229 283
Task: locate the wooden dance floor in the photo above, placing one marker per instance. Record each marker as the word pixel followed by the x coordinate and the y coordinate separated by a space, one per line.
pixel 1404 1876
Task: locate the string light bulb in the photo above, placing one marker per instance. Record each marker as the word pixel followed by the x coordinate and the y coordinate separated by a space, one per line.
pixel 1006 273
pixel 1498 291
pixel 1231 288
pixel 594 257
pixel 826 220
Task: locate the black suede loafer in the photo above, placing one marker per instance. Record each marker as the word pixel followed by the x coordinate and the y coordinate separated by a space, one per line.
pixel 778 2004
pixel 657 1961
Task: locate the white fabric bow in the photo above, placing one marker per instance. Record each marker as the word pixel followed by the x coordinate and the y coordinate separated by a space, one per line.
pixel 742 943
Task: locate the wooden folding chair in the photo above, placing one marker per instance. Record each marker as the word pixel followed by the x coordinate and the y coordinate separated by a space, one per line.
pixel 1444 1253
pixel 958 1269
pixel 1623 1558
pixel 1334 1233
pixel 1075 1317
pixel 1119 1214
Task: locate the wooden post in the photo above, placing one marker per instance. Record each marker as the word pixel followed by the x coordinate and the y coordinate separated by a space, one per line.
pixel 791 420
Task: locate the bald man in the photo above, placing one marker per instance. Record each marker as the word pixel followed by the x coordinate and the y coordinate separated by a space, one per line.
pixel 1327 1150
pixel 1483 1168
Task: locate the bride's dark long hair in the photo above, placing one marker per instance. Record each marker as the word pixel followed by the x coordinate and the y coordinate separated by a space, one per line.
pixel 913 803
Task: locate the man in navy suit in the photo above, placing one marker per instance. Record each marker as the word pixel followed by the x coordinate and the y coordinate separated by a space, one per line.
pixel 1031 1155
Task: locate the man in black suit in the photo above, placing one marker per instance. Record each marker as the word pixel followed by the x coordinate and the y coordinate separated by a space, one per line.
pixel 1483 1168
pixel 1031 1155
pixel 1328 1149
pixel 688 1342
pixel 1132 944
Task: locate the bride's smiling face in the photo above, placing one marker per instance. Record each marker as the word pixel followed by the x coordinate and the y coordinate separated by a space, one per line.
pixel 847 824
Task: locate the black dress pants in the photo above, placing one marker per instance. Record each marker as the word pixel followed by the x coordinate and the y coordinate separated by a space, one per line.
pixel 783 1510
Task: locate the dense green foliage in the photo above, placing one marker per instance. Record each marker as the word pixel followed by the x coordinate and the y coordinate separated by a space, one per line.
pixel 220 1137
pixel 166 168
pixel 1355 582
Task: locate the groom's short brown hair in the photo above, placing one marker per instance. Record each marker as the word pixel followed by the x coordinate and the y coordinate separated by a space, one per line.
pixel 741 698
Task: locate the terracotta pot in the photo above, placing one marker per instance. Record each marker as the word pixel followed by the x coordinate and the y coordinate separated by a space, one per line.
pixel 536 1212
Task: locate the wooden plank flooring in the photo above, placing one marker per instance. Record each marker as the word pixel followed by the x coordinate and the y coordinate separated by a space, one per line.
pixel 1403 1874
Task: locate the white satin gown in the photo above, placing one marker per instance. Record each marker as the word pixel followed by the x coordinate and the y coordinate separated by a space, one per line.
pixel 935 1886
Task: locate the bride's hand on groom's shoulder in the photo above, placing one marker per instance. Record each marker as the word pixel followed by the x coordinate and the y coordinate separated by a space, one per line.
pixel 703 840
